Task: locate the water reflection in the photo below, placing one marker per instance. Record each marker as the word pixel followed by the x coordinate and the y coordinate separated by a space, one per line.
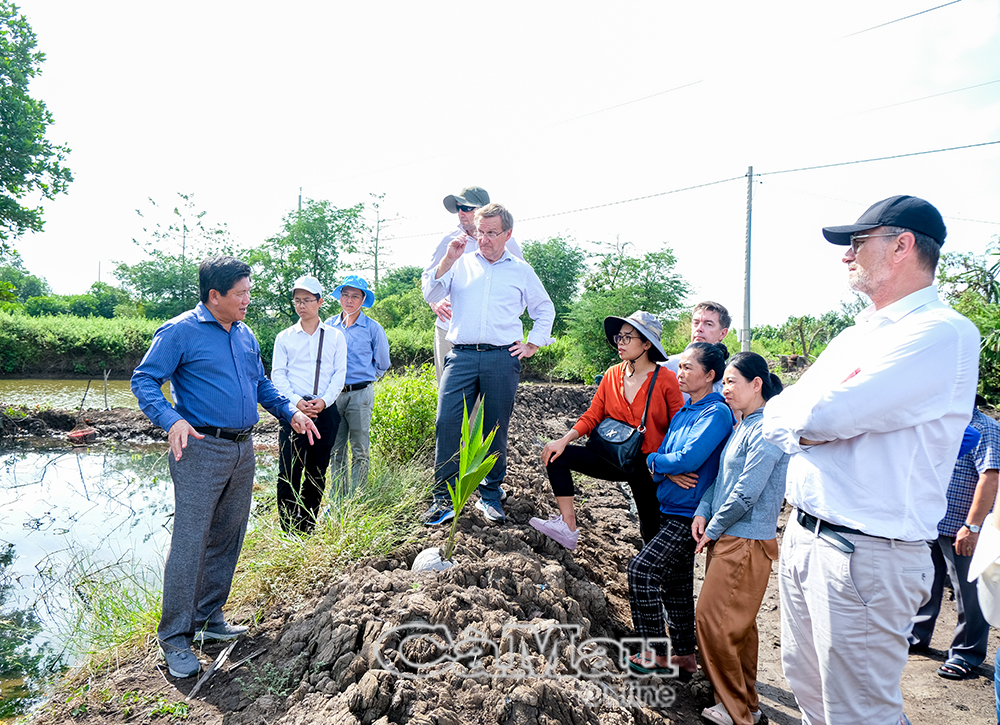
pixel 65 514
pixel 67 394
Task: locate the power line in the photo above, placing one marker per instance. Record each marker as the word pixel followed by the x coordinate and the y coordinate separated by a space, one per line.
pixel 626 103
pixel 880 158
pixel 936 95
pixel 898 20
pixel 737 178
pixel 637 198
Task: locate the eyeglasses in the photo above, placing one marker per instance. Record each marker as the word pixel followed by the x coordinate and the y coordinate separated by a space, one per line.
pixel 858 239
pixel 489 235
pixel 351 296
pixel 298 302
pixel 463 207
pixel 623 338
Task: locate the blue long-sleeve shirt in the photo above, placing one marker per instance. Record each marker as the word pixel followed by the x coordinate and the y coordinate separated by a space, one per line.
pixel 746 497
pixel 367 349
pixel 693 444
pixel 216 377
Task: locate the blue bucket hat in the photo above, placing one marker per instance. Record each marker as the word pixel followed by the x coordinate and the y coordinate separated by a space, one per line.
pixel 353 280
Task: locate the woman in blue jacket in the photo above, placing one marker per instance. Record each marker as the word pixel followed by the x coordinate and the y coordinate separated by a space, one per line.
pixel 684 467
pixel 736 522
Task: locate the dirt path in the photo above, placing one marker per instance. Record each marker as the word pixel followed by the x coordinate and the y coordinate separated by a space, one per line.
pixel 365 651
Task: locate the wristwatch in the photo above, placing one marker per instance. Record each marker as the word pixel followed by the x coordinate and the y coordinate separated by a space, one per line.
pixel 973 528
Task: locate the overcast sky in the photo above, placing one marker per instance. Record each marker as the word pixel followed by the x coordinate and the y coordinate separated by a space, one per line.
pixel 553 107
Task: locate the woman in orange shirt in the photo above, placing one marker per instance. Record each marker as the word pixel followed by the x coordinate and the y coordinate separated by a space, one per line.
pixel 621 395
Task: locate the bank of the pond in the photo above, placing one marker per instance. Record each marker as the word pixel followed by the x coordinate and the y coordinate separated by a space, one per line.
pixel 329 645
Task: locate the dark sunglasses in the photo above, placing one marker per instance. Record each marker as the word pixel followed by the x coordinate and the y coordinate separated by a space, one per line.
pixel 462 207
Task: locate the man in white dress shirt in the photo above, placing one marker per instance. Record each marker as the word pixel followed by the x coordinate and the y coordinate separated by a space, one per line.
pixel 307 367
pixel 464 204
pixel 490 289
pixel 874 428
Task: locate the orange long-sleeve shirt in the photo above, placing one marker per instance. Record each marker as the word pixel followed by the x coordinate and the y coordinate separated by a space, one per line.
pixel 610 402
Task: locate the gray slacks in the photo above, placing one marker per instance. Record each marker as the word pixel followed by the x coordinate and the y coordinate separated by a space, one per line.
pixel 213 488
pixel 972 633
pixel 355 408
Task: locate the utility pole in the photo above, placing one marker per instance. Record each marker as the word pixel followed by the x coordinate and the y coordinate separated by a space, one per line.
pixel 745 332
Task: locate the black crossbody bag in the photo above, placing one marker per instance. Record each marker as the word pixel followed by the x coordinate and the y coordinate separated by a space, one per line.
pixel 619 443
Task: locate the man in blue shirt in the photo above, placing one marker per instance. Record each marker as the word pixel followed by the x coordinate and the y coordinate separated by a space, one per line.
pixel 971 492
pixel 367 360
pixel 489 290
pixel 216 378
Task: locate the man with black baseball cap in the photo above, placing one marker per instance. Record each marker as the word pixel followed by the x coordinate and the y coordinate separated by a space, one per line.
pixel 874 428
pixel 465 204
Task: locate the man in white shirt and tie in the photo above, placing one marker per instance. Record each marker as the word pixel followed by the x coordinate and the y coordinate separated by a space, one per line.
pixel 874 428
pixel 307 367
pixel 489 289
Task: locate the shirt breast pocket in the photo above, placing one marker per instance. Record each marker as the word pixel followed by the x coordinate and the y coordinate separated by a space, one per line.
pixel 251 365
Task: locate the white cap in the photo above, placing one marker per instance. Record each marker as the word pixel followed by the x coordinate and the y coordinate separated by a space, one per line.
pixel 309 284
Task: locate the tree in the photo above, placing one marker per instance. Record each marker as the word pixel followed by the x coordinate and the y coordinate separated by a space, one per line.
pixel 971 283
pixel 310 243
pixel 372 249
pixel 560 266
pixel 618 286
pixel 30 164
pixel 400 281
pixel 648 282
pixel 166 283
pixel 17 284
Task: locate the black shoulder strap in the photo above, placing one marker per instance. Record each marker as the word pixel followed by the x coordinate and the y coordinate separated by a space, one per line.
pixel 319 358
pixel 649 397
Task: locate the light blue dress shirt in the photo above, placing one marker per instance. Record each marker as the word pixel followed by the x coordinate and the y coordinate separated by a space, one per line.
pixel 487 301
pixel 367 349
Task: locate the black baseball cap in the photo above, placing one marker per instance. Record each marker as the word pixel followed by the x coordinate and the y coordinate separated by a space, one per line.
pixel 909 212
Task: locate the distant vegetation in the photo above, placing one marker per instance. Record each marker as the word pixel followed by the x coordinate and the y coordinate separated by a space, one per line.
pixel 42 333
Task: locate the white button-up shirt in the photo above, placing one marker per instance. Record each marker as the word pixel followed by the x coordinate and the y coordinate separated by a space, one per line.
pixel 442 249
pixel 293 363
pixel 488 299
pixel 892 396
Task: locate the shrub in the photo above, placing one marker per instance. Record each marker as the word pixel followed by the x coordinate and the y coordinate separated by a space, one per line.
pixel 63 344
pixel 405 411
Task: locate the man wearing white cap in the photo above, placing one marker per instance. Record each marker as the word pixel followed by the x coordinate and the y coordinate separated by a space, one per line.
pixel 465 205
pixel 307 367
pixel 874 428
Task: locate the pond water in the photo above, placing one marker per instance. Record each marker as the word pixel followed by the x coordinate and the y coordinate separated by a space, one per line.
pixel 67 514
pixel 67 394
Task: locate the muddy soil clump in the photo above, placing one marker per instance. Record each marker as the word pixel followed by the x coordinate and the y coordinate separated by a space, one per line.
pixel 520 630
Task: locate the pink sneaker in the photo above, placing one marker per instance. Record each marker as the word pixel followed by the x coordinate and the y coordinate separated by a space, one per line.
pixel 557 530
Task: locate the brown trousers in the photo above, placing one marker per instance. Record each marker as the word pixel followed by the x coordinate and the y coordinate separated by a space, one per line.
pixel 736 577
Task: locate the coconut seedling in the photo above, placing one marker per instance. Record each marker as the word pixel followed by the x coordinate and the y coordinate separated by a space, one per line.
pixel 474 464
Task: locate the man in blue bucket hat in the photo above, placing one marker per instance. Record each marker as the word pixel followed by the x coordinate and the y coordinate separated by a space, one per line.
pixel 367 360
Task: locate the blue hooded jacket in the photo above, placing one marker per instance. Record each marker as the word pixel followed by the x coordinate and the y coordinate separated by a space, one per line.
pixel 694 443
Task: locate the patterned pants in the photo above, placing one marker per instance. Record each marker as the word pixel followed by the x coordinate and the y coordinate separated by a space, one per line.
pixel 664 572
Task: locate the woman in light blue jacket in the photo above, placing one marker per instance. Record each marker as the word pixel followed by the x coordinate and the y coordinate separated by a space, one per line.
pixel 684 467
pixel 736 523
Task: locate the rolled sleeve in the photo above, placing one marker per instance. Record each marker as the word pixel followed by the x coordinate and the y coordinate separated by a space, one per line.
pixel 540 310
pixel 435 290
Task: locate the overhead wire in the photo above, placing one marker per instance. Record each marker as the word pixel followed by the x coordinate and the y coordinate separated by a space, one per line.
pixel 879 158
pixel 898 20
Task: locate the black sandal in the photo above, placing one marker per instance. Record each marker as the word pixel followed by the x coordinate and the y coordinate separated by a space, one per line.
pixel 954 669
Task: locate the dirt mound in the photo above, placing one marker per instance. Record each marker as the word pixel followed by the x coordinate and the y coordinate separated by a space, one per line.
pixel 520 630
